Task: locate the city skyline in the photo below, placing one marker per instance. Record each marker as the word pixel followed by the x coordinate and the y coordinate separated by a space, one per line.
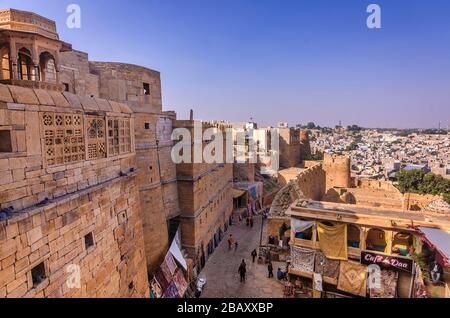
pixel 315 61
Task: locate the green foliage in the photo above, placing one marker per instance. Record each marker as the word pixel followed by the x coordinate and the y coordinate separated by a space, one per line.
pixel 416 181
pixel 317 157
pixel 311 125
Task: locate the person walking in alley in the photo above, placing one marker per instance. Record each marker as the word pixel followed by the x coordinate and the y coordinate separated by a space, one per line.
pixel 251 221
pixel 236 246
pixel 230 242
pixel 254 254
pixel 242 271
pixel 270 270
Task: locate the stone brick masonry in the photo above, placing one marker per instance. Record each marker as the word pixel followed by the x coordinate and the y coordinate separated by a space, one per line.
pixel 91 214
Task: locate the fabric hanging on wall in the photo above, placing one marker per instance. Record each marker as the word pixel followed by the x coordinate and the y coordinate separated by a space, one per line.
pixel 299 226
pixel 353 278
pixel 166 271
pixel 180 283
pixel 171 263
pixel 171 291
pixel 333 240
pixel 330 268
pixel 156 288
pixel 302 259
pixel 160 277
pixel 388 285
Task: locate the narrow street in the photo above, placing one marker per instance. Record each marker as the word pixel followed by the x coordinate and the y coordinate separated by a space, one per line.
pixel 221 270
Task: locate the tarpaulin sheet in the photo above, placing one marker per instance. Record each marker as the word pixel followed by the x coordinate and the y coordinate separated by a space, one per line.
pixel 353 278
pixel 388 285
pixel 333 240
pixel 177 254
pixel 302 259
pixel 440 239
pixel 330 268
pixel 299 226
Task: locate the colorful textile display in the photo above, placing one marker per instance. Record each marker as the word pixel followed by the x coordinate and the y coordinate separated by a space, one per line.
pixel 180 282
pixel 353 278
pixel 166 271
pixel 333 240
pixel 388 285
pixel 171 291
pixel 160 277
pixel 302 259
pixel 155 288
pixel 330 268
pixel 171 263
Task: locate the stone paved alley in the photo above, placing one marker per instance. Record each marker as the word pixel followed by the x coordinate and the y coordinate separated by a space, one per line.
pixel 221 270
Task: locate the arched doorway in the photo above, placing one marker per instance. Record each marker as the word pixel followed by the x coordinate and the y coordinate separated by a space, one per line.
pixel 5 73
pixel 47 67
pixel 26 68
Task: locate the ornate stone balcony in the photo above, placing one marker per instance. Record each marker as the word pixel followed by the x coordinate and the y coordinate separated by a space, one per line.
pixel 24 21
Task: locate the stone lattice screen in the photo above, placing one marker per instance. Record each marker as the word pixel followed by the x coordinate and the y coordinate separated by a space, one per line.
pixel 96 141
pixel 119 136
pixel 63 138
pixel 67 140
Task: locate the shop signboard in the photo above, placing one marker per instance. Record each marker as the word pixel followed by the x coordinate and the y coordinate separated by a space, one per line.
pixel 387 261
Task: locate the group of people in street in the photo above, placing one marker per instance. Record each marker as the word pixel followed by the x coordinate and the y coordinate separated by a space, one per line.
pixel 281 275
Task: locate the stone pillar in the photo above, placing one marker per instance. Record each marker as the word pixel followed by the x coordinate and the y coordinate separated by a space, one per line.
pixel 13 57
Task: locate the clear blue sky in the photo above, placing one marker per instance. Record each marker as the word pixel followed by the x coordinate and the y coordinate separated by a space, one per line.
pixel 295 61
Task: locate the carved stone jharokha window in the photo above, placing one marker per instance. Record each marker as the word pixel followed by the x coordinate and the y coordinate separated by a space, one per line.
pixel 119 137
pixel 96 137
pixel 63 138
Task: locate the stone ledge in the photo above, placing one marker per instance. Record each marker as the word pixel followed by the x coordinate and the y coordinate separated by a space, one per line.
pixel 29 212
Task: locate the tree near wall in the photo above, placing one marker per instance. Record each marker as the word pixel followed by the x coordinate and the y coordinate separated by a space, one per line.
pixel 417 181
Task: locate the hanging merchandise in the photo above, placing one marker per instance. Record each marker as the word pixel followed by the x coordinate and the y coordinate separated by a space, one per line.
pixel 302 259
pixel 333 240
pixel 171 265
pixel 180 282
pixel 388 285
pixel 318 286
pixel 325 266
pixel 166 271
pixel 353 278
pixel 155 288
pixel 171 291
